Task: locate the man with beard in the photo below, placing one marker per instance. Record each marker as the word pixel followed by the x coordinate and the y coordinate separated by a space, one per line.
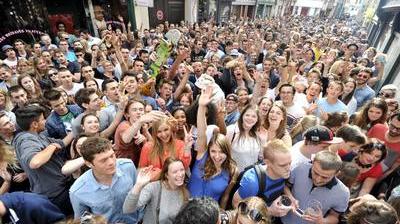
pixel 312 183
pixel 363 92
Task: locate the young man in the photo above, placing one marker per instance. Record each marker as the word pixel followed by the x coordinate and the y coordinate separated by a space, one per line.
pixel 316 139
pixel 67 84
pixel 18 97
pixel 112 95
pixel 317 182
pixel 90 102
pixel 63 63
pixel 331 102
pixel 363 92
pixel 21 51
pixel 199 211
pixel 294 109
pixel 11 60
pixel 102 189
pixel 277 169
pixel 42 157
pixel 232 111
pixel 59 122
pixel 88 73
pixel 23 207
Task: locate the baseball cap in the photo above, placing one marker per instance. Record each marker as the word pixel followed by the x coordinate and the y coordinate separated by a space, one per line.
pixel 6 47
pixel 321 134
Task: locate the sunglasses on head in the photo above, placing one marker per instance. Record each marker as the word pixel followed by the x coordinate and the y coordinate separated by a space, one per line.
pixel 253 214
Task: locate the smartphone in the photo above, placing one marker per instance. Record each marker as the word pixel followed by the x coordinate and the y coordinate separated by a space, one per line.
pixel 299 212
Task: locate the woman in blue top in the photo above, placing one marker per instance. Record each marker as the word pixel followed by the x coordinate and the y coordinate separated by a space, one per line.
pixel 214 172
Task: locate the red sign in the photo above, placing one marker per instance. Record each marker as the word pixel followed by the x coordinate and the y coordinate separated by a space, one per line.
pixel 160 15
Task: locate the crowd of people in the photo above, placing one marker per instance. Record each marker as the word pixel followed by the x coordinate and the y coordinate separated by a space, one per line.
pixel 248 121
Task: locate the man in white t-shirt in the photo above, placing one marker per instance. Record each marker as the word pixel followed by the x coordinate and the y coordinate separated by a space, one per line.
pixel 67 84
pixel 316 139
pixel 294 109
pixel 11 60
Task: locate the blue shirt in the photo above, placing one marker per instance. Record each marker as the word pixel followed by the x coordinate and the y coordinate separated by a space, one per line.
pixel 363 94
pixel 249 186
pixel 87 194
pixel 323 105
pixel 232 118
pixel 29 208
pixel 213 187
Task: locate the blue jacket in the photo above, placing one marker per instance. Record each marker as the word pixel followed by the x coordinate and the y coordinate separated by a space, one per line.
pixel 30 208
pixel 54 125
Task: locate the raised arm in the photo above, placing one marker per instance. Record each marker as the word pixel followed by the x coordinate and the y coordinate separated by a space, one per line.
pixel 204 100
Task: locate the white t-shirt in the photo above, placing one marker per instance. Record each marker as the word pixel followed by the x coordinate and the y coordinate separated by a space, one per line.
pixel 11 64
pixel 297 157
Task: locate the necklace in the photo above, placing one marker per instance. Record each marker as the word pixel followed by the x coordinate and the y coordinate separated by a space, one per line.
pixel 357 160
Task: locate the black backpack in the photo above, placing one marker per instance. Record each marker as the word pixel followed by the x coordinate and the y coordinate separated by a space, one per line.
pixel 261 176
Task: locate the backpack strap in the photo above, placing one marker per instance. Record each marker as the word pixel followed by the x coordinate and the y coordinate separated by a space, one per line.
pixel 262 176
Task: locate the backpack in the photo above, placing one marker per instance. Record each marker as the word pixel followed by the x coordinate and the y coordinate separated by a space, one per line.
pixel 261 176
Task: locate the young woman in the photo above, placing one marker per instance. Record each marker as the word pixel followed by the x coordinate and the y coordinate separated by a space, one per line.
pixel 264 105
pixel 246 144
pixel 180 115
pixel 132 133
pixel 275 125
pixel 214 172
pixel 305 123
pixel 90 125
pixel 162 199
pixel 12 177
pixel 374 112
pixel 348 95
pixel 368 161
pixel 244 98
pixel 163 145
pixel 30 85
pixel 252 210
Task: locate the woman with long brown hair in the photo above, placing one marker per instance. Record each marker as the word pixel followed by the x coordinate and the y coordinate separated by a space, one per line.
pixel 274 126
pixel 30 85
pixel 214 172
pixel 163 198
pixel 374 112
pixel 164 144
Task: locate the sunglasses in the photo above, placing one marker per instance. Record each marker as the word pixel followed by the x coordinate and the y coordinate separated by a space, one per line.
pixel 253 214
pixel 386 95
pixel 391 126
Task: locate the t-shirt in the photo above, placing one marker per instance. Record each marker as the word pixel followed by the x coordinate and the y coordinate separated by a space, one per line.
pixel 249 186
pixel 213 187
pixel 324 106
pixel 67 121
pixel 123 150
pixel 378 131
pixel 297 157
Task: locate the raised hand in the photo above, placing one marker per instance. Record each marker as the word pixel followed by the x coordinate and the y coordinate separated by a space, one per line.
pixel 189 141
pixel 144 176
pixel 152 116
pixel 205 97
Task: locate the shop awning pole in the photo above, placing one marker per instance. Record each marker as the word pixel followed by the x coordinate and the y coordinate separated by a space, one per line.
pixel 131 14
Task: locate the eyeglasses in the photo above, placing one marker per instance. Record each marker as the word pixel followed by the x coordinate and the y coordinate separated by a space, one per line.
pixel 253 214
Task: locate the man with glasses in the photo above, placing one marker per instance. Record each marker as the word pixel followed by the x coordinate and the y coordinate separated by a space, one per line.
pixel 363 92
pixel 390 135
pixel 309 187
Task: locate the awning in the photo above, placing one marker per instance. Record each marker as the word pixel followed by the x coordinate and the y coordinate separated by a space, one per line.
pixel 391 5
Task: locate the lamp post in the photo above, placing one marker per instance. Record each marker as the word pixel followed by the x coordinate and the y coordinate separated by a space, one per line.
pixel 131 14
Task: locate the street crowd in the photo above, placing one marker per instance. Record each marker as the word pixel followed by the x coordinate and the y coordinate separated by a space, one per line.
pixel 248 121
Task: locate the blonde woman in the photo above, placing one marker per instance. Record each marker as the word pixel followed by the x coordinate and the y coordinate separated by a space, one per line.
pixel 305 123
pixel 252 210
pixel 12 178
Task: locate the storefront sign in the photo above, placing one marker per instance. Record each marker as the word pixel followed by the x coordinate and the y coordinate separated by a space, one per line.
pixel 145 3
pixel 244 2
